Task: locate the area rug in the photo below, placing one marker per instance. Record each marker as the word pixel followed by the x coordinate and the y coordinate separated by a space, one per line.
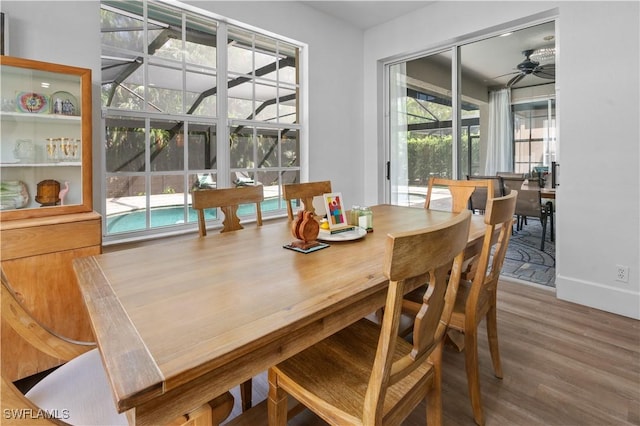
pixel 524 259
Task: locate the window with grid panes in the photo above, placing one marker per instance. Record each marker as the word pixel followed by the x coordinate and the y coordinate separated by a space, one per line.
pixel 191 102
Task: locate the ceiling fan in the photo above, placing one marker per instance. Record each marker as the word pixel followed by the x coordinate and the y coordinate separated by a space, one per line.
pixel 530 66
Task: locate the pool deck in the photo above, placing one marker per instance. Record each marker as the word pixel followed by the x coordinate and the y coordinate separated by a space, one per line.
pixel 121 205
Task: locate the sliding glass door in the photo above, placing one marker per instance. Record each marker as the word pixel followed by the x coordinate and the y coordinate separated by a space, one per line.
pixel 420 126
pixel 450 113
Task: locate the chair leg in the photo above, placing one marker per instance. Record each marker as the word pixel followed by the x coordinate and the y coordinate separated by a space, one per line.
pixel 473 375
pixel 277 402
pixel 434 395
pixel 550 212
pixel 492 333
pixel 245 395
pixel 543 219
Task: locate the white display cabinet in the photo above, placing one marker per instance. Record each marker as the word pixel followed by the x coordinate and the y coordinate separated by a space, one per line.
pixel 45 139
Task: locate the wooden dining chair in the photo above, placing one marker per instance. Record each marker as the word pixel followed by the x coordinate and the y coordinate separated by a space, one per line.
pixel 228 200
pixel 365 374
pixel 461 191
pixel 304 192
pixel 78 391
pixel 476 300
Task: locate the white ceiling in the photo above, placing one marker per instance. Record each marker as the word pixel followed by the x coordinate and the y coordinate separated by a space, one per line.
pixel 484 60
pixel 366 14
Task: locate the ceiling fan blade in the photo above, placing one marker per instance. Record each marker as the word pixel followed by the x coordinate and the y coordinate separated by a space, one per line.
pixel 515 79
pixel 504 75
pixel 545 71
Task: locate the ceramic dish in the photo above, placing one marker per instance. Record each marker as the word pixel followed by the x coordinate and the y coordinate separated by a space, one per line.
pixel 356 234
pixel 64 103
pixel 32 102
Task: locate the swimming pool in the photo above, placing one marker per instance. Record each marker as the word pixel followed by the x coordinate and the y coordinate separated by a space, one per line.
pixel 136 220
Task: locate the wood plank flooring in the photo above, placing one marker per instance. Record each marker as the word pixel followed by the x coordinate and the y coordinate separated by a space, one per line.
pixel 564 365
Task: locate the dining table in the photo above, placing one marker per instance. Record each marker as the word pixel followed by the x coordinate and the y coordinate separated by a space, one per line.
pixel 182 322
pixel 548 193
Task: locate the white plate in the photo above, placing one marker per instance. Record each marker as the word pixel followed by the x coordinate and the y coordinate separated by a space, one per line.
pixel 356 234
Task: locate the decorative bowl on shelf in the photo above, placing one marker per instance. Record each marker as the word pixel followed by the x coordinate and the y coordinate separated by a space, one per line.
pixel 24 150
pixel 33 102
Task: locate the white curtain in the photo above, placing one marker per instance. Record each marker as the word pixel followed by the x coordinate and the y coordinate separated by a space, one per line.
pixel 499 146
pixel 398 134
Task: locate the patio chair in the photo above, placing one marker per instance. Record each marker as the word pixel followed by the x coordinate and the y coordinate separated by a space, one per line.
pixel 479 197
pixel 512 175
pixel 530 204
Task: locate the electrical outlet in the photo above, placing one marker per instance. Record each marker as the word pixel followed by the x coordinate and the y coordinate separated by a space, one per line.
pixel 622 273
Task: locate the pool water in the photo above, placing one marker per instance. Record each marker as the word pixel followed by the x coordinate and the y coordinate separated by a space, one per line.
pixel 136 220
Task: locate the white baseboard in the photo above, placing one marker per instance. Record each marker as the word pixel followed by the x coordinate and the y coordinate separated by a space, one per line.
pixel 529 283
pixel 616 300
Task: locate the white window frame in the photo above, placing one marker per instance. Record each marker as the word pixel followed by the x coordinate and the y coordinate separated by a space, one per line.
pixel 222 122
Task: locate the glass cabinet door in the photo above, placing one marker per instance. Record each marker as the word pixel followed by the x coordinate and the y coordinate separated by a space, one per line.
pixel 45 139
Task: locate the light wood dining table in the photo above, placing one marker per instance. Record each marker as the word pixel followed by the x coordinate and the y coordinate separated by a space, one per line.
pixel 180 323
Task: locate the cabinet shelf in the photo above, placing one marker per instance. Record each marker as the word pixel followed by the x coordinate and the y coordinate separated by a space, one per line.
pixel 23 116
pixel 60 164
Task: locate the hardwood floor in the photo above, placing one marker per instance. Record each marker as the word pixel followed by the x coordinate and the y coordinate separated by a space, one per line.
pixel 564 364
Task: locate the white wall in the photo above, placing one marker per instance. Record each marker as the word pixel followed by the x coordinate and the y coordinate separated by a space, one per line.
pixel 598 223
pixel 598 217
pixel 335 84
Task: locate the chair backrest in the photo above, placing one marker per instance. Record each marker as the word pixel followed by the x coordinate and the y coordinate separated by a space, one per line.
pixel 512 175
pixel 512 183
pixel 16 316
pixel 461 191
pixel 305 193
pixel 432 253
pixel 529 203
pixel 479 196
pixel 228 200
pixel 499 215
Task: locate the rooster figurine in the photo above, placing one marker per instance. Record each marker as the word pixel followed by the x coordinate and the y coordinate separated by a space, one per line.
pixel 63 193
